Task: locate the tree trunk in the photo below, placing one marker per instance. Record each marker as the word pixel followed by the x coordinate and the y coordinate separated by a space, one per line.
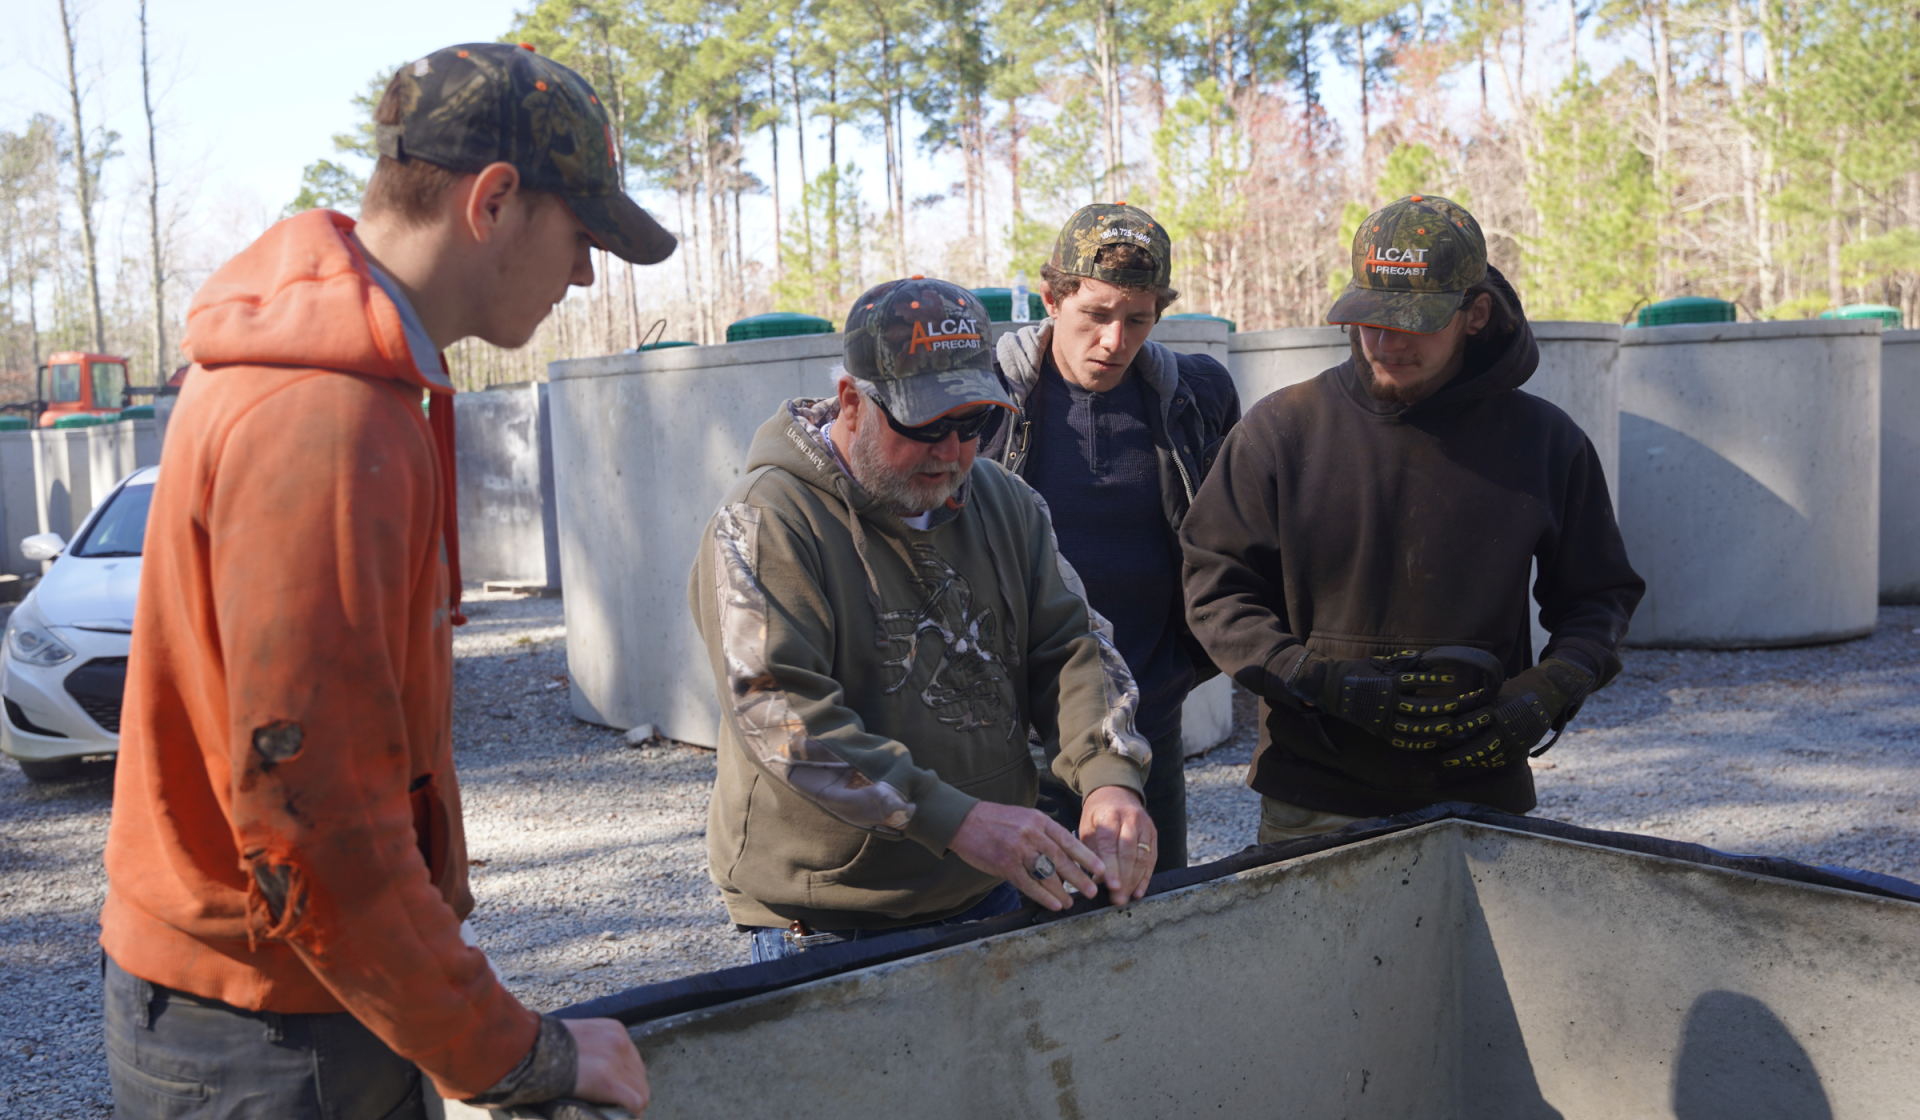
pixel 1836 225
pixel 1013 153
pixel 1663 115
pixel 83 188
pixel 160 360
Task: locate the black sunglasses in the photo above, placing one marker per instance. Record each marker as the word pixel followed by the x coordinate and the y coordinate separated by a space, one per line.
pixel 933 431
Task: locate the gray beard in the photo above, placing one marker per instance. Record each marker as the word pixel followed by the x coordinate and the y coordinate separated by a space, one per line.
pixel 897 491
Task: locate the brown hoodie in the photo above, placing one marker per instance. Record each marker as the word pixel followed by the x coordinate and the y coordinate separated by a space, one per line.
pixel 286 825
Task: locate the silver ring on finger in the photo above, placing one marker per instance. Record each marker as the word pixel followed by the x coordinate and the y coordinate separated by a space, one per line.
pixel 1144 847
pixel 1043 868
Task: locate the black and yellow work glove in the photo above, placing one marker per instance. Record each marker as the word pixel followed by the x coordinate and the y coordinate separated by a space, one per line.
pixel 1413 700
pixel 1540 700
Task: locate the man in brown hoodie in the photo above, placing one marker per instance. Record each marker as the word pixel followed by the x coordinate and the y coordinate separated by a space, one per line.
pixel 287 869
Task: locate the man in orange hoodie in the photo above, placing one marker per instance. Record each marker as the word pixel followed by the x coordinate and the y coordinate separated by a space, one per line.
pixel 287 869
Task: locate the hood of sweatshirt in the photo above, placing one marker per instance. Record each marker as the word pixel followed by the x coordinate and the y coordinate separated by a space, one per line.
pixel 303 295
pixel 1022 353
pixel 1485 375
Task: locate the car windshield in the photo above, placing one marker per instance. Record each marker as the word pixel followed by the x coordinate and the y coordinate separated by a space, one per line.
pixel 121 527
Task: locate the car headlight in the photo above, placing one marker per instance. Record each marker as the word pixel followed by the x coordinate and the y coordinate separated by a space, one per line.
pixel 35 646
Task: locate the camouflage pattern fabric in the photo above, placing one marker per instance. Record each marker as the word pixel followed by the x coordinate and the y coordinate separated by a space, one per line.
pixel 924 344
pixel 467 106
pixel 1412 260
pixel 1093 228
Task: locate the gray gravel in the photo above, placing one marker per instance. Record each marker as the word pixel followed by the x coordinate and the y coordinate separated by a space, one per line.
pixel 590 866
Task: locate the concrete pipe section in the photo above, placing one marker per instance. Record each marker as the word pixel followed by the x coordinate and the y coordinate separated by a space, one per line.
pixel 1900 467
pixel 1265 362
pixel 503 447
pixel 644 447
pixel 1474 965
pixel 1750 481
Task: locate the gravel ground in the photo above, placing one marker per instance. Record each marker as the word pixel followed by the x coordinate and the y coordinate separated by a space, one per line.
pixel 590 867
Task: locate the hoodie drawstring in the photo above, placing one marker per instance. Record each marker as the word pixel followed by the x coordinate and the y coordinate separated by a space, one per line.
pixel 440 420
pixel 843 487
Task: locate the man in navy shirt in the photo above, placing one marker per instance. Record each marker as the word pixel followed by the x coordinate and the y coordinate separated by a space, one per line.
pixel 1116 431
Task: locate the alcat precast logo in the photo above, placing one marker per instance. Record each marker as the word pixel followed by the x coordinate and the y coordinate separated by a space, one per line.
pixel 1396 262
pixel 953 334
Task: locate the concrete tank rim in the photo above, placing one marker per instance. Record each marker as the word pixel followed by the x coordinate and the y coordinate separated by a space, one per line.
pixel 1902 337
pixel 682 358
pixel 1287 338
pixel 1748 332
pixel 1574 330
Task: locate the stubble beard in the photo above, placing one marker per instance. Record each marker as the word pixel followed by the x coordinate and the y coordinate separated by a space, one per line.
pixel 1384 390
pixel 897 490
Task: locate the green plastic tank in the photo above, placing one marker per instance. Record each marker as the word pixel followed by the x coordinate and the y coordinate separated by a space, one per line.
pixel 777 324
pixel 81 420
pixel 1685 309
pixel 1231 325
pixel 14 424
pixel 137 412
pixel 998 303
pixel 1888 315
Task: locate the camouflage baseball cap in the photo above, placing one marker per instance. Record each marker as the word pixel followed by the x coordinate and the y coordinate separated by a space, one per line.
pixel 1412 262
pixel 1093 228
pixel 465 107
pixel 925 345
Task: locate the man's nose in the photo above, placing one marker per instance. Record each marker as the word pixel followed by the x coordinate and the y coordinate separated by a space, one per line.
pixel 1112 336
pixel 948 449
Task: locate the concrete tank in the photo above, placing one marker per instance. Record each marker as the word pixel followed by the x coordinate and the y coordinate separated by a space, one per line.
pixel 1750 481
pixel 644 447
pixel 1264 362
pixel 1900 467
pixel 1451 970
pixel 503 441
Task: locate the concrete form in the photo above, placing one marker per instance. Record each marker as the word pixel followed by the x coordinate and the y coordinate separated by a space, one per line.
pixel 503 446
pixel 1750 481
pixel 1264 362
pixel 1451 970
pixel 1900 467
pixel 19 509
pixel 644 447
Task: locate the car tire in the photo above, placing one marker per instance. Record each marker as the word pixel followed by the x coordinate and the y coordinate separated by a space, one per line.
pixel 49 769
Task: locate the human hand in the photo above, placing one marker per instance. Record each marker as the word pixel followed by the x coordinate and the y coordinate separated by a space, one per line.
pixel 1115 824
pixel 1004 840
pixel 610 1070
pixel 1411 699
pixel 1533 703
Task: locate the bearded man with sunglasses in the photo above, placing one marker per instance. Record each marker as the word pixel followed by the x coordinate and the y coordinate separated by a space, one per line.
pixel 885 619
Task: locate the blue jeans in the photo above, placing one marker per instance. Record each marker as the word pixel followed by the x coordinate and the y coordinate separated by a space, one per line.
pixel 172 1055
pixel 771 944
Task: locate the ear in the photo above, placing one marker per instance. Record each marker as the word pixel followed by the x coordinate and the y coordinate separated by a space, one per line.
pixel 850 403
pixel 489 198
pixel 1046 300
pixel 1478 312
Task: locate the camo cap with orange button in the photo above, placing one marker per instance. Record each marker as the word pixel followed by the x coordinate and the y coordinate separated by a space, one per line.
pixel 1093 228
pixel 925 345
pixel 1412 262
pixel 467 106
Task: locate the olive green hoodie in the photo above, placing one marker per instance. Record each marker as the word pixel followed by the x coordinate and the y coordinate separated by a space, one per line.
pixel 877 680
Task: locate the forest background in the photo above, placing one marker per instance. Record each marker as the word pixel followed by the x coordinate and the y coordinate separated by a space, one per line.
pixel 1616 152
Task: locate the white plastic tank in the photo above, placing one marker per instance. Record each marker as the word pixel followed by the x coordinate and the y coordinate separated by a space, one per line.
pixel 1750 481
pixel 644 447
pixel 1900 467
pixel 1264 362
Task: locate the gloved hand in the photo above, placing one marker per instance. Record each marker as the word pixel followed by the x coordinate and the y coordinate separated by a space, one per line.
pixel 1537 701
pixel 1411 699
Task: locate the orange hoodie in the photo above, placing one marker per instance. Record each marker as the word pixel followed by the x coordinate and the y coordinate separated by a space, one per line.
pixel 286 825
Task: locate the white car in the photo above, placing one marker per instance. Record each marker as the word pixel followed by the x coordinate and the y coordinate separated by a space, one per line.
pixel 65 664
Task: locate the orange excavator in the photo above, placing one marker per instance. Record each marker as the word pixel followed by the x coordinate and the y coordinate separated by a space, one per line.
pixel 74 382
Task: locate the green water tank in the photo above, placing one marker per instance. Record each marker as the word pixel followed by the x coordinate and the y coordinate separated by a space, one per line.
pixel 137 412
pixel 1685 309
pixel 998 303
pixel 1231 325
pixel 1888 315
pixel 81 420
pixel 14 424
pixel 777 324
